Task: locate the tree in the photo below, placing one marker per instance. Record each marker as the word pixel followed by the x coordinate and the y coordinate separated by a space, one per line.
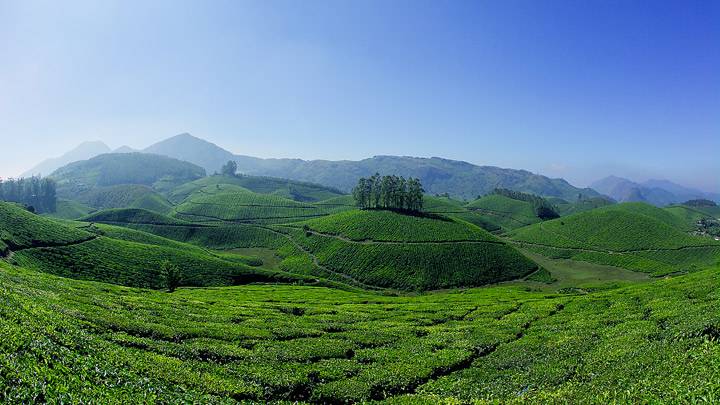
pixel 229 168
pixel 171 274
pixel 389 192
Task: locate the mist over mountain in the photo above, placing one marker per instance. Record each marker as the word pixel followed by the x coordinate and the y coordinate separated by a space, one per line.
pixel 655 192
pixel 438 175
pixel 85 150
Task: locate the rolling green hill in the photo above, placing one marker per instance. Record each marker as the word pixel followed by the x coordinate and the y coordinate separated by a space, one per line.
pixel 454 208
pixel 651 211
pixel 69 209
pixel 120 196
pixel 119 256
pixel 567 208
pixel 133 216
pixel 245 207
pixel 289 189
pixel 622 238
pixel 505 212
pixel 389 249
pixel 160 172
pixel 72 341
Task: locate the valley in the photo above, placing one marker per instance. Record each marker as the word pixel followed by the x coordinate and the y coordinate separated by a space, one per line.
pixel 290 293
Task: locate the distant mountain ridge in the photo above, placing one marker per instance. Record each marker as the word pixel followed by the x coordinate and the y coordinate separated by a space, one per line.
pixel 84 151
pixel 438 175
pixel 655 192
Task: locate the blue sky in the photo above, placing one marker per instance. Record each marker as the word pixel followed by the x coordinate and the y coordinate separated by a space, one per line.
pixel 572 89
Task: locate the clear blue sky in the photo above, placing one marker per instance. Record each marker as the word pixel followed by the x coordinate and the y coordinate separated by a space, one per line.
pixel 572 89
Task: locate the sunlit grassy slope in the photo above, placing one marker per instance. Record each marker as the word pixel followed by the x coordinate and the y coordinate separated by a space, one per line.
pixel 399 250
pixel 506 212
pixel 622 238
pixel 119 256
pixel 68 341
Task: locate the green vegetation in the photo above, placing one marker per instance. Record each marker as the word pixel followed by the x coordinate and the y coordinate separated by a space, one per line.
pixel 454 208
pixel 290 189
pixel 68 209
pixel 700 203
pixel 160 172
pixel 389 192
pixel 35 192
pixel 650 211
pixel 542 209
pixel 620 238
pixel 72 341
pixel 133 216
pixel 390 249
pixel 505 212
pixel 245 207
pixel 567 208
pixel 119 196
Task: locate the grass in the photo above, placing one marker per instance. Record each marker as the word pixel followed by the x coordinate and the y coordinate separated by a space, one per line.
pixel 68 209
pixel 507 213
pixel 270 259
pixel 620 238
pixel 64 340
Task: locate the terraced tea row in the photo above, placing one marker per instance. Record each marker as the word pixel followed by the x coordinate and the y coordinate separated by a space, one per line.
pixel 86 342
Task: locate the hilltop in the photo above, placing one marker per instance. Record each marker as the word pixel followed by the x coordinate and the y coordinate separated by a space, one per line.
pixel 459 179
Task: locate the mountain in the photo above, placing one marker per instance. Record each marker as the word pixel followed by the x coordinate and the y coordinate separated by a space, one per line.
pixel 438 176
pixel 194 150
pixel 655 192
pixel 125 149
pixel 111 169
pixel 84 151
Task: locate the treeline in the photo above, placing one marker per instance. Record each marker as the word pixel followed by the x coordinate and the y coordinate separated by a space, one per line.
pixel 700 203
pixel 389 192
pixel 37 193
pixel 543 209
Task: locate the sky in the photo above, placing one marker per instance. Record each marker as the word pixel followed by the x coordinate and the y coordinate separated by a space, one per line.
pixel 573 89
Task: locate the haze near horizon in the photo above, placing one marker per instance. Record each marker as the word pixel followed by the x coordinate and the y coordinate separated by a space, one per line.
pixel 565 89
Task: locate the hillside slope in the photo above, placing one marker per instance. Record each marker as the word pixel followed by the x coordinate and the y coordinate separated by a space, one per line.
pixel 76 341
pixel 389 249
pixel 620 238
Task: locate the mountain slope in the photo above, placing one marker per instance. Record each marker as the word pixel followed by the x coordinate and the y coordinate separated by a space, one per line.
pixel 622 238
pixel 438 176
pixel 655 192
pixel 125 168
pixel 84 151
pixel 191 149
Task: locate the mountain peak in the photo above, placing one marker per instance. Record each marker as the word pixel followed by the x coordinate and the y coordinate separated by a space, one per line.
pixel 84 151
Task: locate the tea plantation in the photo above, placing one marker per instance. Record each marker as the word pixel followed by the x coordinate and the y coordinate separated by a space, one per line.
pixel 68 341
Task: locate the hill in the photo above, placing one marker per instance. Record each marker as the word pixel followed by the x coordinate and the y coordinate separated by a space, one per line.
pixel 68 209
pixel 285 188
pixel 84 151
pixel 121 195
pixel 655 192
pixel 245 207
pixel 651 211
pixel 567 208
pixel 621 238
pixel 390 249
pixel 112 169
pixel 92 253
pixel 438 176
pixel 76 341
pixel 191 149
pixel 506 212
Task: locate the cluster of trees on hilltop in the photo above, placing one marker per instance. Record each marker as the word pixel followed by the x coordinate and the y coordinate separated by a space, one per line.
pixel 37 193
pixel 543 209
pixel 701 202
pixel 389 192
